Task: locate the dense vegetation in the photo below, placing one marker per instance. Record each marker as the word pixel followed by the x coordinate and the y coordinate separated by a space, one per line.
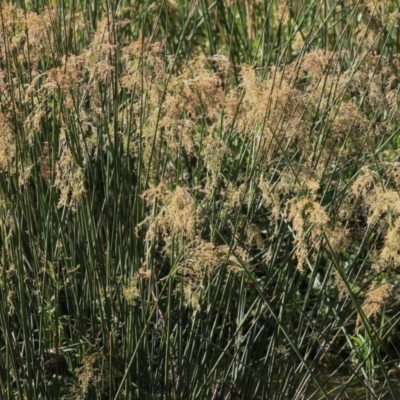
pixel 199 200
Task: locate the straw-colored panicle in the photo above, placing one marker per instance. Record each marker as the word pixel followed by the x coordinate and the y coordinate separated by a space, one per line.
pixel 375 300
pixel 7 143
pixel 307 215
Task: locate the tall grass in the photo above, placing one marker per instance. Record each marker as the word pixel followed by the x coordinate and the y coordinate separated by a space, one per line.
pixel 199 200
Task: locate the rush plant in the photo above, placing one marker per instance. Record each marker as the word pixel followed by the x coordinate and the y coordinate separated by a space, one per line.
pixel 199 200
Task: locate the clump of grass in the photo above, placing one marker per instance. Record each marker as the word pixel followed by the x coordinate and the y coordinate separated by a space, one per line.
pixel 212 214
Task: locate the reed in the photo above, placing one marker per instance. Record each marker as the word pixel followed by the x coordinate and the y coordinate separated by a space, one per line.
pixel 199 200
